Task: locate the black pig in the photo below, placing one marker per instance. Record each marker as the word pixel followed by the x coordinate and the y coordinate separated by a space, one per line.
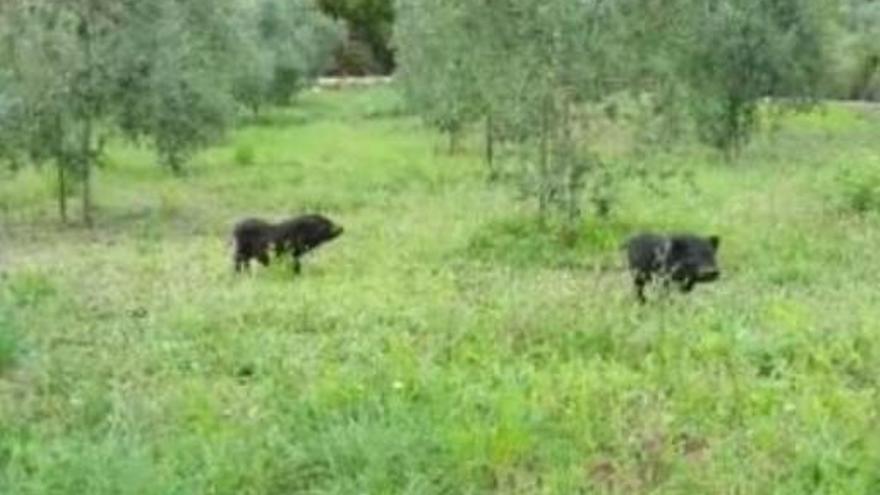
pixel 684 259
pixel 301 234
pixel 252 238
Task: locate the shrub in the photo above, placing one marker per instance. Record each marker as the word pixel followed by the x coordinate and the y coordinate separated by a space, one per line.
pixel 858 189
pixel 29 289
pixel 10 342
pixel 244 155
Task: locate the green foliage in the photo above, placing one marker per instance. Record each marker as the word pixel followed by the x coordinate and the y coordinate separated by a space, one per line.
pixel 528 70
pixel 538 75
pixel 369 24
pixel 174 87
pixel 19 292
pixel 12 137
pixel 29 289
pixel 76 74
pixel 748 51
pixel 532 243
pixel 857 52
pixel 189 64
pixel 59 82
pixel 244 155
pixel 857 188
pixel 10 340
pixel 437 73
pixel 299 42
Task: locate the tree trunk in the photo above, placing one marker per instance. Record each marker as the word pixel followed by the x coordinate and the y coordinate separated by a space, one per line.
pixel 62 164
pixel 490 149
pixel 87 194
pixel 453 141
pixel 571 203
pixel 174 162
pixel 543 161
pixel 62 193
pixel 861 88
pixel 85 151
pixel 86 171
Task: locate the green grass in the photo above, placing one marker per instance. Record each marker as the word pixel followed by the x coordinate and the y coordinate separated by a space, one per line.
pixel 445 343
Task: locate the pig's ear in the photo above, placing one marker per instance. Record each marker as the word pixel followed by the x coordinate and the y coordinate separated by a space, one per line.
pixel 714 241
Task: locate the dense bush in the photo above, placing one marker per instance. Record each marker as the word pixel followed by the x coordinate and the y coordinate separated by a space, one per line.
pixel 856 72
pixel 858 189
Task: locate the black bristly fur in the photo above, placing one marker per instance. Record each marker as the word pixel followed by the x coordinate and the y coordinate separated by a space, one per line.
pixel 683 259
pixel 302 234
pixel 252 238
pixel 297 236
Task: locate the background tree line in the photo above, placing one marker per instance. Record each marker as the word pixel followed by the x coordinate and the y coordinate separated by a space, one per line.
pixel 537 77
pixel 176 74
pixel 854 69
pixel 540 78
pixel 367 49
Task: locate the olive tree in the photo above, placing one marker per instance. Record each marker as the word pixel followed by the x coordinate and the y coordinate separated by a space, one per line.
pixel 59 85
pixel 298 41
pixel 174 88
pixel 73 74
pixel 536 72
pixel 437 69
pixel 735 54
pixel 857 51
pixel 528 69
pixel 369 24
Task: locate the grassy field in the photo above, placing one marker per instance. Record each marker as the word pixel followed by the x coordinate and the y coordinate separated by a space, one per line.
pixel 445 343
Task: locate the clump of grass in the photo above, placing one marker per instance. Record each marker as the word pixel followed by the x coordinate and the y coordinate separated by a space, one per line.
pixel 10 338
pixel 245 155
pixel 170 203
pixel 527 241
pixel 858 188
pixel 10 343
pixel 29 288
